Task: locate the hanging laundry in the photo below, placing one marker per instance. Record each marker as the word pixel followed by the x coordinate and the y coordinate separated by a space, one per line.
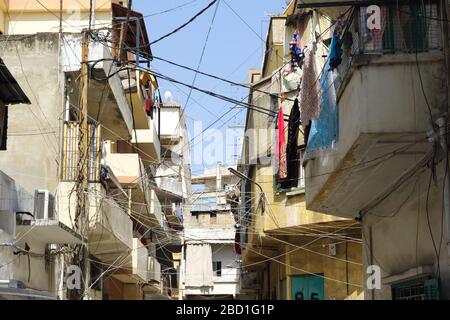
pixel 335 52
pixel 296 49
pixel 274 153
pixel 149 107
pixel 377 34
pixel 281 147
pixel 293 161
pixel 310 94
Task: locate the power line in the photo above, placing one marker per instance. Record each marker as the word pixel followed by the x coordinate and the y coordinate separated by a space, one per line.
pixel 169 10
pixel 184 24
pixel 197 70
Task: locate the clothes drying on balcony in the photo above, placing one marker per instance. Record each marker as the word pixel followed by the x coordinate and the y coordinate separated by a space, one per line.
pixel 296 49
pixel 309 89
pixel 281 146
pixel 324 131
pixel 378 31
pixel 293 160
pixel 335 52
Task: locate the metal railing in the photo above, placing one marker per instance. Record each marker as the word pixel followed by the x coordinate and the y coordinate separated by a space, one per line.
pixel 210 202
pixel 172 185
pixel 70 152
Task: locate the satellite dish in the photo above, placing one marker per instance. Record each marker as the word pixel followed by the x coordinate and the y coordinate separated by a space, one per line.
pixel 168 96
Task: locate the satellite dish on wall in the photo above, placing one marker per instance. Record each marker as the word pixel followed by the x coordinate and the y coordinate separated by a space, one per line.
pixel 168 96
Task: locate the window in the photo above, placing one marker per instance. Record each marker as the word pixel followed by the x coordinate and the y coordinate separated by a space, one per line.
pixel 417 289
pixel 217 268
pixel 213 218
pixel 293 183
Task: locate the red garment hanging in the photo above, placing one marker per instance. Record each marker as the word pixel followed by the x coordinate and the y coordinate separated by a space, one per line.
pixel 281 147
pixel 148 107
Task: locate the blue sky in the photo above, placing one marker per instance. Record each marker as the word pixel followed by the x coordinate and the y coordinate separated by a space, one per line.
pixel 231 50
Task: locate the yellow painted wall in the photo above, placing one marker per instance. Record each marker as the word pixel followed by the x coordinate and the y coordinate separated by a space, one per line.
pixel 304 263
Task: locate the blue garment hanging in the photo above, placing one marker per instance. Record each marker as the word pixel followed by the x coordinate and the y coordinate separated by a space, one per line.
pixel 335 52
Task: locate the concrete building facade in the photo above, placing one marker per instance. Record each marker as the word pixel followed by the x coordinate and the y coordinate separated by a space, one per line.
pixel 210 264
pixel 41 165
pixel 288 251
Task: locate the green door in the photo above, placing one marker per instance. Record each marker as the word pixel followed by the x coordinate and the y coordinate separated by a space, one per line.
pixel 307 287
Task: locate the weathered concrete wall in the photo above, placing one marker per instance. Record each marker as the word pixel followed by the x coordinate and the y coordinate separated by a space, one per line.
pixel 33 134
pixel 30 269
pixel 402 242
pixel 382 97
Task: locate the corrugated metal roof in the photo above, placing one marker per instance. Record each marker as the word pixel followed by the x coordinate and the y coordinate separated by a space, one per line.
pixel 10 91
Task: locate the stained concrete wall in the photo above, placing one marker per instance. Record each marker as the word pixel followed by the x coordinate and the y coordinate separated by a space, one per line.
pixel 383 96
pixel 402 228
pixel 33 132
pixel 30 269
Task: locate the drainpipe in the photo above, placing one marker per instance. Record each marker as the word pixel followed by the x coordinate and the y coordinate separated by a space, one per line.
pixel 442 124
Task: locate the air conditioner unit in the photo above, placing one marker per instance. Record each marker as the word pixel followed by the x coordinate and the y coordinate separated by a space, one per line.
pixel 44 205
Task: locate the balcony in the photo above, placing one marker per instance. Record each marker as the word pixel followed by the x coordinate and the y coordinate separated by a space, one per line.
pixel 155 209
pixel 147 144
pixel 209 201
pixel 174 215
pixel 171 185
pixel 153 276
pixel 45 226
pixel 170 125
pixel 135 267
pixel 110 229
pixel 125 166
pixel 118 119
pixel 371 131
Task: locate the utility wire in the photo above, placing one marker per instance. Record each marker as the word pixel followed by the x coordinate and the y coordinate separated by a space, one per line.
pixel 184 24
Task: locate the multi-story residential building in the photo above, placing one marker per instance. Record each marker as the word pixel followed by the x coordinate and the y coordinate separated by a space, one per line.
pixel 10 94
pixel 173 186
pixel 377 152
pixel 288 251
pixel 210 264
pixel 123 221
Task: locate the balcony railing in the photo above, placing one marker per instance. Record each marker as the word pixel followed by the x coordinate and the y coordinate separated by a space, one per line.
pixel 404 29
pixel 210 202
pixel 71 153
pixel 411 28
pixel 172 185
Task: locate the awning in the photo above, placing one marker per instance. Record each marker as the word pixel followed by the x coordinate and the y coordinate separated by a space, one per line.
pixel 10 91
